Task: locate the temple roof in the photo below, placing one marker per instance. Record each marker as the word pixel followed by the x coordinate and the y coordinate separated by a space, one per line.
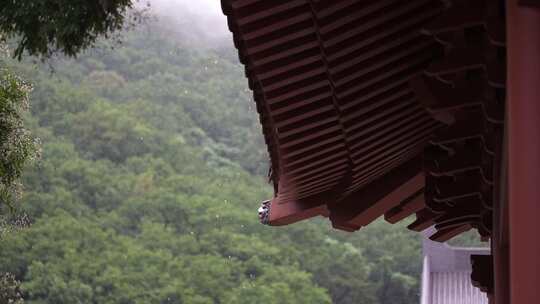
pixel 372 108
pixel 446 275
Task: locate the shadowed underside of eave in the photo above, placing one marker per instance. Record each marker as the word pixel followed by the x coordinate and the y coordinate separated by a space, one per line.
pixel 345 90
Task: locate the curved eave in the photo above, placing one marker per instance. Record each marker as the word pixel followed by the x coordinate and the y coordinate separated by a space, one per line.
pixel 364 105
pixel 330 79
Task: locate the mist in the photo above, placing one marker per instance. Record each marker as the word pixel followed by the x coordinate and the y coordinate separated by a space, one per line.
pixel 197 21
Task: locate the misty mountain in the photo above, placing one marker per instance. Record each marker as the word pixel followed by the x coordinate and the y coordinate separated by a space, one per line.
pixel 152 170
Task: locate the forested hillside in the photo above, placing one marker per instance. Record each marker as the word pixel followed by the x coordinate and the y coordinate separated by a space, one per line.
pixel 151 173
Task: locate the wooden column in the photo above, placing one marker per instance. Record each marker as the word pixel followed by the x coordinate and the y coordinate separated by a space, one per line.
pixel 523 37
pixel 500 234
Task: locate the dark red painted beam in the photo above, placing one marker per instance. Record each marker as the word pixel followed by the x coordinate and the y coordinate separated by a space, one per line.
pixel 523 32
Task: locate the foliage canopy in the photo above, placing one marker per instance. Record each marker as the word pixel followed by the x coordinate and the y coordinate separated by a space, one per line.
pixel 65 26
pixel 17 146
pixel 151 172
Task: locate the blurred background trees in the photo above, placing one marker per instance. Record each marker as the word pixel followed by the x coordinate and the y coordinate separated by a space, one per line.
pixel 151 170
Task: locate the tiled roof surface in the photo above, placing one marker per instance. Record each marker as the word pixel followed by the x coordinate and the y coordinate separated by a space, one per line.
pixel 455 288
pixel 447 273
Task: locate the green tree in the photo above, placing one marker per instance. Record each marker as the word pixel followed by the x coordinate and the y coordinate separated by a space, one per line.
pixel 10 289
pixel 66 26
pixel 17 146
